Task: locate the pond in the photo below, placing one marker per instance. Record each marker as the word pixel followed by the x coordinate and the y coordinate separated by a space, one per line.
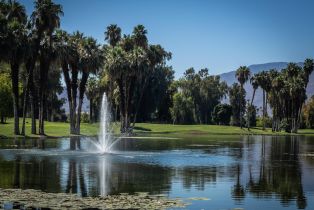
pixel 209 172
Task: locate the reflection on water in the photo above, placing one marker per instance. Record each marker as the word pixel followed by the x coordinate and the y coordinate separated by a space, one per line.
pixel 247 172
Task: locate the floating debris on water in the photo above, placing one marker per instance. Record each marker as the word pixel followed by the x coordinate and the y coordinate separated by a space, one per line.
pixel 199 199
pixel 29 199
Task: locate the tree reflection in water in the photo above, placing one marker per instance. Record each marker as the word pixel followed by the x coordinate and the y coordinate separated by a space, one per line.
pixel 280 172
pixel 267 168
pixel 238 191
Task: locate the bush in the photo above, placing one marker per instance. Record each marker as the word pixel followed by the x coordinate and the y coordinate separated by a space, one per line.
pixel 285 125
pixel 268 122
pixel 222 114
pixel 85 117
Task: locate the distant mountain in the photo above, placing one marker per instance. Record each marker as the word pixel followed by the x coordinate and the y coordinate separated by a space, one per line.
pixel 230 78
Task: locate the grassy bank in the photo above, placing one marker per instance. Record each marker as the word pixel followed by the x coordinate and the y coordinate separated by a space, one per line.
pixel 59 129
pixel 52 129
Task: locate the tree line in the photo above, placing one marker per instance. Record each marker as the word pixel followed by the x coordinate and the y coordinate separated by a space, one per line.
pixel 34 48
pixel 38 58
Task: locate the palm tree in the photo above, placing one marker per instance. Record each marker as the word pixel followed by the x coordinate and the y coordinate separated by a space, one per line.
pixel 243 74
pixel 254 84
pixel 308 69
pixel 264 81
pixel 30 59
pixel 45 19
pixel 113 34
pixel 92 86
pixel 13 46
pixel 90 60
pixel 77 54
pixel 115 64
pixel 276 100
pixel 139 36
pixel 155 55
pixel 250 108
pixel 69 57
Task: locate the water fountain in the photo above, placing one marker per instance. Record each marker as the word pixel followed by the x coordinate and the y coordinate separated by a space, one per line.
pixel 105 139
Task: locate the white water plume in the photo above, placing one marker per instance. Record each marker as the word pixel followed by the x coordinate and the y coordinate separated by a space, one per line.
pixel 105 138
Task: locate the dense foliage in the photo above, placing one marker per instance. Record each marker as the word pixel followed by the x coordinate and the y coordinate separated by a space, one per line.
pixel 6 103
pixel 222 114
pixel 130 63
pixel 237 101
pixel 198 94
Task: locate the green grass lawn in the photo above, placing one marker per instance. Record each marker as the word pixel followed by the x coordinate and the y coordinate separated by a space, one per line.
pixel 59 129
pixel 208 129
pixel 52 129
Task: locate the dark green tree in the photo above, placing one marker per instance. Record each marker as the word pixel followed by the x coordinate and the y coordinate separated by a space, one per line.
pixel 13 20
pixel 237 101
pixel 222 114
pixel 129 64
pixel 205 90
pixel 243 74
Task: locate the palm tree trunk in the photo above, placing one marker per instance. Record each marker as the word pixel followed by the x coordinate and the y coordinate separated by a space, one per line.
pixel 139 101
pixel 81 97
pixel 29 69
pixel 73 98
pixel 248 115
pixel 15 93
pixel 263 109
pixel 32 101
pixel 67 80
pixel 30 65
pixel 30 88
pixel 44 68
pixel 241 107
pixel 121 104
pixel 126 96
pixel 266 103
pixel 41 112
pixel 26 91
pixel 254 90
pixel 90 110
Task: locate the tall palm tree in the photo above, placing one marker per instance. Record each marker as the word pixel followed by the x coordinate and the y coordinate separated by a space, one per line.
pixel 243 74
pixel 91 88
pixel 308 68
pixel 254 84
pixel 29 92
pixel 113 34
pixel 276 102
pixel 77 54
pixel 69 57
pixel 155 55
pixel 264 81
pixel 45 18
pixel 13 46
pixel 139 36
pixel 90 61
pixel 116 63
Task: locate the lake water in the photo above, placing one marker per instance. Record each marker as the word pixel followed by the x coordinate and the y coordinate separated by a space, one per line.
pixel 249 172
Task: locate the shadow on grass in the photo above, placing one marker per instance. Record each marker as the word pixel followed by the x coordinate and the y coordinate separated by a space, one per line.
pixel 142 129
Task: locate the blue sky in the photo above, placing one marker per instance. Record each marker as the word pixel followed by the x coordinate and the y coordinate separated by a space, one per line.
pixel 218 34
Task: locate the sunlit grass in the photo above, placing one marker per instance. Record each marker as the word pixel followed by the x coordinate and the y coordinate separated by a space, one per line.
pixel 60 129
